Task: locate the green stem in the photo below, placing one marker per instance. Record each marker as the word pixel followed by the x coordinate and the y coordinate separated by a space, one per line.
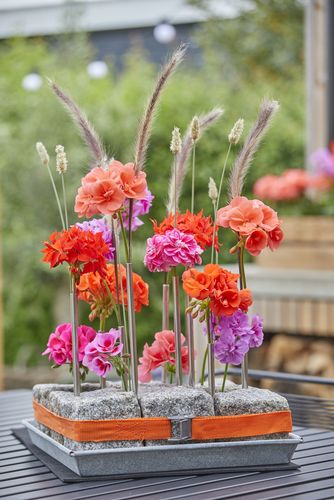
pixel 57 197
pixel 125 382
pixel 102 323
pixel 241 263
pixel 129 254
pixel 64 199
pixel 125 240
pixel 204 365
pixel 219 193
pixel 193 179
pixel 225 375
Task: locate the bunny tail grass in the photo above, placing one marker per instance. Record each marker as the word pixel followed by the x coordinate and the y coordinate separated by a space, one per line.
pixel 145 126
pixel 242 164
pixel 181 163
pixel 87 132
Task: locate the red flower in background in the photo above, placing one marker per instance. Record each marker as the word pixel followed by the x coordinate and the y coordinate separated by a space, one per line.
pixel 198 225
pixel 82 250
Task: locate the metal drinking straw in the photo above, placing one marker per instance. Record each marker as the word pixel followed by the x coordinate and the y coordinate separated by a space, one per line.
pixel 191 348
pixel 177 330
pixel 75 341
pixel 132 328
pixel 165 317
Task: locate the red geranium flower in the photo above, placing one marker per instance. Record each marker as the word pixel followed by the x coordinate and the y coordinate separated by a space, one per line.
pixel 196 224
pixel 83 251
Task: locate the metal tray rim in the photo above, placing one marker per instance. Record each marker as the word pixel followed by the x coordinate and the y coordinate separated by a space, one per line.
pixel 293 439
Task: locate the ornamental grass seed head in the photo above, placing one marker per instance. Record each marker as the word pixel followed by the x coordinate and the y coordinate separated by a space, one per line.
pixel 42 153
pixel 176 141
pixel 213 192
pixel 236 132
pixel 61 159
pixel 195 129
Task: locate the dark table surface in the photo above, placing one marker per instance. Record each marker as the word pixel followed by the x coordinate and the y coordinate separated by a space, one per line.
pixel 25 477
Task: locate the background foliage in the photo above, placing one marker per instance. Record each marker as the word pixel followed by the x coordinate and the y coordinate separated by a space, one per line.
pixel 34 296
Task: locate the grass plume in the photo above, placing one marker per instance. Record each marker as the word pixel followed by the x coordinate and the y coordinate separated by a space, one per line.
pixel 145 126
pixel 86 130
pixel 242 163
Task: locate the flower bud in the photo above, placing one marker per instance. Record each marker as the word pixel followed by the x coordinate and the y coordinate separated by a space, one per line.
pixel 213 191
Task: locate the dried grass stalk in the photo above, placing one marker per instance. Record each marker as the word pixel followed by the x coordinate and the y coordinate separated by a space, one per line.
pixel 242 164
pixel 182 159
pixel 87 131
pixel 145 126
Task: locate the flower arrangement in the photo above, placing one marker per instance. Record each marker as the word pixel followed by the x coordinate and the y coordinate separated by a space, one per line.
pixel 112 196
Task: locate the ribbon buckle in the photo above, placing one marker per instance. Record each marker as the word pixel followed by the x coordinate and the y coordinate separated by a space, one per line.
pixel 181 429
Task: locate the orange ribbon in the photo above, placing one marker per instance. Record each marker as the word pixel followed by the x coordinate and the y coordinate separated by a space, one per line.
pixel 140 429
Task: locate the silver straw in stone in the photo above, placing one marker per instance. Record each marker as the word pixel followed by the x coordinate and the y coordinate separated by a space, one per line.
pixel 191 348
pixel 132 328
pixel 75 341
pixel 177 330
pixel 123 340
pixel 165 317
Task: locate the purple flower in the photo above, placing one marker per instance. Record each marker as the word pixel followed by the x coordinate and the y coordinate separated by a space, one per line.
pixel 171 249
pixel 256 338
pixel 99 226
pixel 140 207
pixel 323 160
pixel 231 349
pixel 234 336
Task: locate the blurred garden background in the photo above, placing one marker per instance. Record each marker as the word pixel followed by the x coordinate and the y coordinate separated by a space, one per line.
pixel 238 53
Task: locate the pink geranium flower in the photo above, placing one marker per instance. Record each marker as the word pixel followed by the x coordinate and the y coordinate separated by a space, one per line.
pixel 171 249
pixel 59 346
pixel 160 353
pixel 256 241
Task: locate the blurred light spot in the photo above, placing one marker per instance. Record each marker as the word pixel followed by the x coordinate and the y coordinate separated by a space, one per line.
pixel 32 82
pixel 164 32
pixel 97 69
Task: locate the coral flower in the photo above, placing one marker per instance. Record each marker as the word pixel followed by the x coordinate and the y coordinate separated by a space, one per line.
pixel 100 193
pixel 275 237
pixel 246 299
pixel 84 251
pixel 241 215
pixel 132 183
pixel 256 241
pixel 160 353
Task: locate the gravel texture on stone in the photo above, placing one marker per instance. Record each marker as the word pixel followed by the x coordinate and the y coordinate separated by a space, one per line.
pixel 173 401
pixel 246 401
pixel 93 404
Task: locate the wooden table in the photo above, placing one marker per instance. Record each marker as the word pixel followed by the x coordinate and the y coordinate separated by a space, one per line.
pixel 24 477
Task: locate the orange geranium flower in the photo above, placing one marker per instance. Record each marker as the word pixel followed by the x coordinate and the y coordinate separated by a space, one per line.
pixel 84 251
pixel 198 225
pixel 101 293
pixel 246 299
pixel 196 284
pixel 225 302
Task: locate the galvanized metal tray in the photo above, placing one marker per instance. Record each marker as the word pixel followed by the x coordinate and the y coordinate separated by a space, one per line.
pixel 168 458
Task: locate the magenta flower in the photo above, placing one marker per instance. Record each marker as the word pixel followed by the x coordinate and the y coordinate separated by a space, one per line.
pixel 256 338
pixel 171 249
pixel 140 207
pixel 99 226
pixel 99 352
pixel 59 346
